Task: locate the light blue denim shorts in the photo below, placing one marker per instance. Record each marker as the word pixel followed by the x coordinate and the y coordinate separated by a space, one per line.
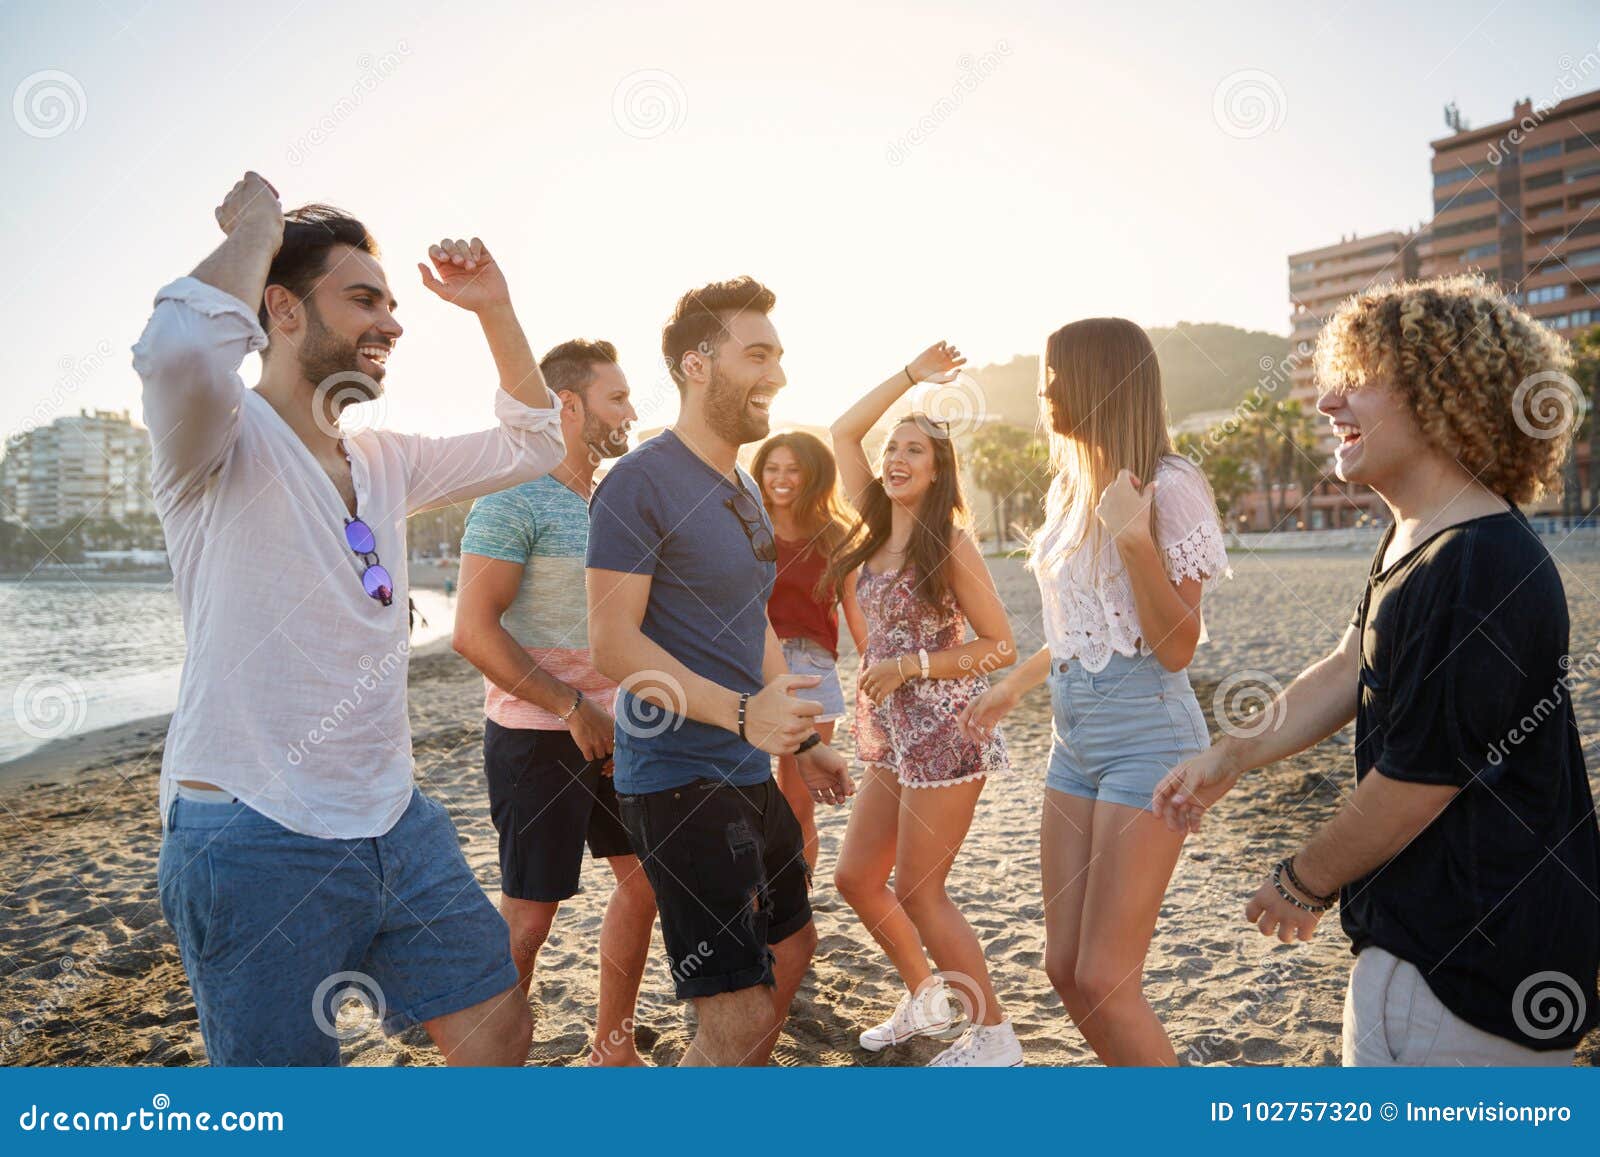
pixel 277 929
pixel 1119 731
pixel 806 657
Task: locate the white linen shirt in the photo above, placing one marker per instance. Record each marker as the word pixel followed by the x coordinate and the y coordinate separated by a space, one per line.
pixel 293 693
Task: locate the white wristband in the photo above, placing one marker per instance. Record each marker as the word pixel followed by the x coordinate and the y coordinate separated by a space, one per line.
pixel 922 657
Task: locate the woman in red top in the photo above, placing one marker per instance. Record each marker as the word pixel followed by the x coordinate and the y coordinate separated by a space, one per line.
pixel 797 476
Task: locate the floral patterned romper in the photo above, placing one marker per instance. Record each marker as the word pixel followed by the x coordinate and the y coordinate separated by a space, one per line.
pixel 915 733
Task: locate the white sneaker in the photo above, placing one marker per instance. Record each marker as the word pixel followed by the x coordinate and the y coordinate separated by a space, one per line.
pixel 924 1013
pixel 983 1046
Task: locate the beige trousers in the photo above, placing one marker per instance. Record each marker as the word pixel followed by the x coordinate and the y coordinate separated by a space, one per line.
pixel 1391 1017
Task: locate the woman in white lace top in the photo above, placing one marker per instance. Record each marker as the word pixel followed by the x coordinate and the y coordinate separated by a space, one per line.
pixel 1130 543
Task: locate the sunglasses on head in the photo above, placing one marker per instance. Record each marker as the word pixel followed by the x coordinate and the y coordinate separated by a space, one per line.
pixel 375 579
pixel 762 544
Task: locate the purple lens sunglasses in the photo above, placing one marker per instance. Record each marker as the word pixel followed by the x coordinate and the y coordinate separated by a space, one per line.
pixel 375 579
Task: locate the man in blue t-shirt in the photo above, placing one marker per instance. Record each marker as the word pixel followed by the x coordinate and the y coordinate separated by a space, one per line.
pixel 681 562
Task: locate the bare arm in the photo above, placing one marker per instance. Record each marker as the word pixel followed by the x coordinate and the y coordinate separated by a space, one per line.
pixel 1319 702
pixel 850 429
pixel 468 276
pixel 527 441
pixel 979 718
pixel 1373 826
pixel 775 721
pixel 853 618
pixel 992 649
pixel 252 218
pixel 488 586
pixel 1169 614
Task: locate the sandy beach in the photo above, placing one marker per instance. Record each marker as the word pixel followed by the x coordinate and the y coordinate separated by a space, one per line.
pixel 92 975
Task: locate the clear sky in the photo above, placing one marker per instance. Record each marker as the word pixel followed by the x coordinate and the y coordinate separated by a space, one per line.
pixel 981 171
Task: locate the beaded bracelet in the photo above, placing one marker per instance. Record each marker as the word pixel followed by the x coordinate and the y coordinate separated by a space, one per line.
pixel 744 701
pixel 1277 882
pixel 1326 901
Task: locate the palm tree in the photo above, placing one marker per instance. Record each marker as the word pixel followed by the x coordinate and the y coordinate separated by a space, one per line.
pixel 1008 463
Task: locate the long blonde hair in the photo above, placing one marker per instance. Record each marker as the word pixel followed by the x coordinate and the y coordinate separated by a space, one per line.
pixel 1100 397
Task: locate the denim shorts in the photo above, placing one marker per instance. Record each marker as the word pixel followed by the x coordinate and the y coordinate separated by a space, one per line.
pixel 277 929
pixel 807 657
pixel 1118 731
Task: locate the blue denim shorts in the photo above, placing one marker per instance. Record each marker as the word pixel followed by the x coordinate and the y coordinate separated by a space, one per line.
pixel 1118 731
pixel 278 929
pixel 805 657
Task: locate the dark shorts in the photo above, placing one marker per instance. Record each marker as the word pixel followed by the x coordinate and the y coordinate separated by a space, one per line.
pixel 545 799
pixel 729 871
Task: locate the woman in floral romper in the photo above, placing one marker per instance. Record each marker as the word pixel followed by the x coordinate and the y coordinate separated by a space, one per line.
pixel 922 580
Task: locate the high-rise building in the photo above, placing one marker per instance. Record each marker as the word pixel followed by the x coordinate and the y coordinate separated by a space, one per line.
pixel 1519 200
pixel 92 465
pixel 1319 279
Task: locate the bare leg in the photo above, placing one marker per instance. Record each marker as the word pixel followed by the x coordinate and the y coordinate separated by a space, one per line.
pixel 492 1032
pixel 800 801
pixel 933 824
pixel 733 1028
pixel 1065 835
pixel 791 960
pixel 1134 855
pixel 530 922
pixel 862 875
pixel 624 948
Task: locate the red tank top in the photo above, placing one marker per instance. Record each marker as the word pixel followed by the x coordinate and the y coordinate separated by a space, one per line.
pixel 794 608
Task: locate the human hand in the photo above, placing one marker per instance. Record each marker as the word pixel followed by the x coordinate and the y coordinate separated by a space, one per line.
pixel 938 363
pixel 979 718
pixel 252 207
pixel 883 679
pixel 1124 507
pixel 593 730
pixel 776 720
pixel 468 275
pixel 1275 916
pixel 1186 792
pixel 826 775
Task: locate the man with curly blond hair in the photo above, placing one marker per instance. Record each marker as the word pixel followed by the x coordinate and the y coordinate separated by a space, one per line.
pixel 1466 862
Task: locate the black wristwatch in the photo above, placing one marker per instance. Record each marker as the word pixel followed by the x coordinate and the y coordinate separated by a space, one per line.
pixel 811 741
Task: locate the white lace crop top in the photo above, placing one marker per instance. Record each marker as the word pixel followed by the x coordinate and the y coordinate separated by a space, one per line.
pixel 1089 610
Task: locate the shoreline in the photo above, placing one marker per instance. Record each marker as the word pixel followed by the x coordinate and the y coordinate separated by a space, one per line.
pixel 57 761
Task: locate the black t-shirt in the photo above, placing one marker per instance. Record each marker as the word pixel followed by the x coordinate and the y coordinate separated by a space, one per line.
pixel 1464 681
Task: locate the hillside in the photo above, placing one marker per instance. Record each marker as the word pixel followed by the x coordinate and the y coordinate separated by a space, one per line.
pixel 1204 366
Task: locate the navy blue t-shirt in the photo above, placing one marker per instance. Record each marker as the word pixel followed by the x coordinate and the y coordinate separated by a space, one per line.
pixel 662 511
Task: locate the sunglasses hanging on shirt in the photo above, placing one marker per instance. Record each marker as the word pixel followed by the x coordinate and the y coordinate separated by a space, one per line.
pixel 375 580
